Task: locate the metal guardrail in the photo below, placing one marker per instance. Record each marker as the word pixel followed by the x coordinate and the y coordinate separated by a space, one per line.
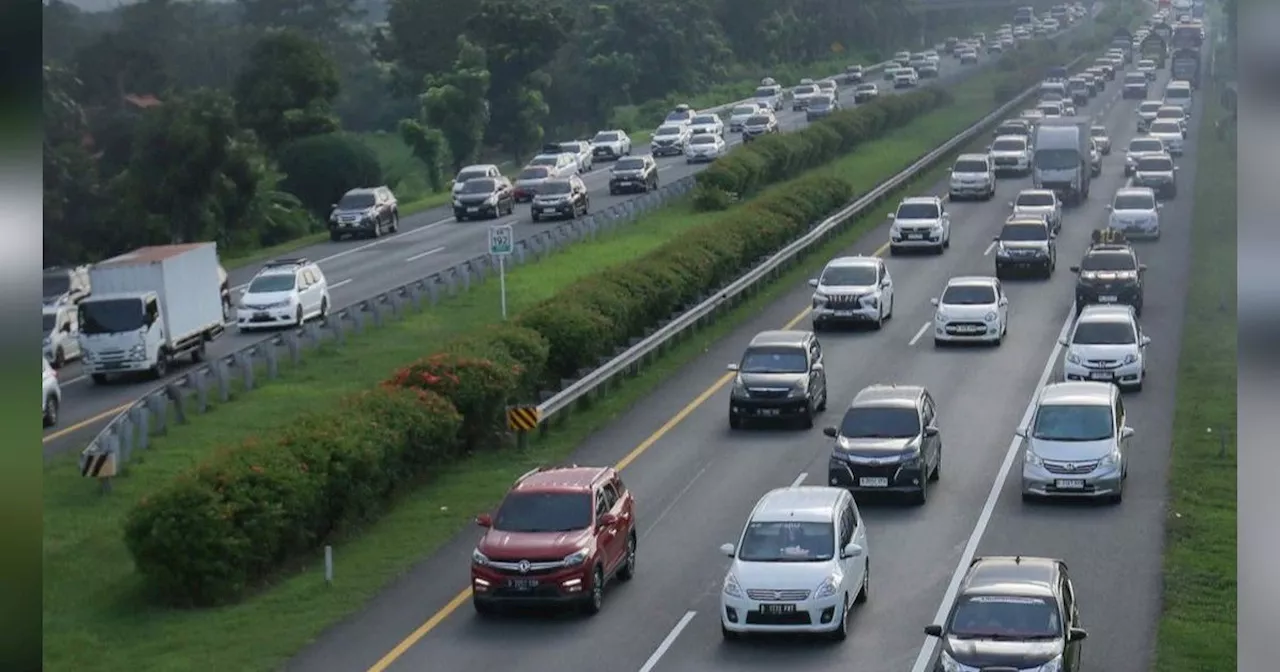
pixel 220 380
pixel 630 360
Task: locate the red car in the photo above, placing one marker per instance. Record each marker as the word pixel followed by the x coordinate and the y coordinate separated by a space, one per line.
pixel 560 535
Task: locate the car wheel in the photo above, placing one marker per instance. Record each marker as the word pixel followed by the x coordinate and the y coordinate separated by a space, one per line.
pixel 51 411
pixel 395 222
pixel 939 343
pixel 864 591
pixel 628 569
pixel 377 230
pixel 822 405
pixel 888 315
pixel 298 319
pixel 595 599
pixel 59 359
pixel 921 496
pixel 936 474
pixel 324 307
pixel 806 420
pixel 841 632
pixel 536 217
pixel 879 324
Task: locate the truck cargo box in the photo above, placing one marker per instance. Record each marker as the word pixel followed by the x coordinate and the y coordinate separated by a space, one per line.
pixel 185 277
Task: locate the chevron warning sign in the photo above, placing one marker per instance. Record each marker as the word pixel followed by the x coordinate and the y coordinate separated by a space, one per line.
pixel 98 465
pixel 523 418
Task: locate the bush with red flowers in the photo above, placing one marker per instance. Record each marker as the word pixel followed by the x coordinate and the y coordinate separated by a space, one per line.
pixel 480 388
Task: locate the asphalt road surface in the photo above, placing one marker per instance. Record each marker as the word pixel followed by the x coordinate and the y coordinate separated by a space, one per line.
pixel 695 482
pixel 429 242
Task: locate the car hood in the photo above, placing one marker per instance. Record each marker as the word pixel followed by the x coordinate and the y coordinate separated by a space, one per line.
pixel 666 139
pixel 970 177
pixel 1133 215
pixel 739 118
pixel 1019 153
pixel 1108 276
pixel 352 212
pixel 1023 244
pixel 265 298
pixel 781 575
pixel 771 381
pixel 1090 352
pixel 503 545
pixel 531 182
pixel 1069 451
pixel 873 448
pixel 846 290
pixel 1035 210
pixel 918 222
pixel 956 311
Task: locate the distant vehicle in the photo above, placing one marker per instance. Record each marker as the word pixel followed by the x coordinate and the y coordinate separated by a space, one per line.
pixel 633 173
pixel 62 284
pixel 683 114
pixel 770 94
pixel 284 293
pixel 669 140
pixel 1159 173
pixel 528 181
pixel 1011 154
pixel 581 150
pixel 153 304
pixel 888 441
pixel 707 123
pixel 852 290
pixel 1110 273
pixel 1062 158
pixel 1136 212
pixel 1039 203
pixel 484 197
pixel 1139 147
pixel 472 172
pixel 971 309
pixel 739 115
pixel 1026 244
pixel 779 378
pixel 364 212
pixel 704 147
pixel 563 197
pixel 920 222
pixel 759 124
pixel 611 145
pixel 801 95
pixel 865 93
pixel 972 176
pixel 821 107
pixel 854 74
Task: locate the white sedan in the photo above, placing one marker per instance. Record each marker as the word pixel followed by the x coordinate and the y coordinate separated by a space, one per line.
pixel 972 309
pixel 704 147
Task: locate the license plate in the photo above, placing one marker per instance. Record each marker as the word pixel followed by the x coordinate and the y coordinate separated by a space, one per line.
pixel 473 209
pixel 1069 484
pixel 768 412
pixel 844 313
pixel 1108 299
pixel 1100 375
pixel 873 482
pixel 777 609
pixel 522 584
pixel 261 315
pixel 113 365
pixel 915 236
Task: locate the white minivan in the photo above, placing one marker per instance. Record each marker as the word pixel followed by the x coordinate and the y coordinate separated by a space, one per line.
pixel 801 563
pixel 1179 93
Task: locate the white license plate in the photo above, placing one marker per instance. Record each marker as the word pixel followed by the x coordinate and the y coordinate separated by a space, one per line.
pixel 1108 299
pixel 915 236
pixel 1070 484
pixel 473 209
pixel 873 482
pixel 777 609
pixel 1100 375
pixel 844 313
pixel 768 412
pixel 262 314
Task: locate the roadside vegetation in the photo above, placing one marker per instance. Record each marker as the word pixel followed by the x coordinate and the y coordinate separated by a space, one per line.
pixel 1198 625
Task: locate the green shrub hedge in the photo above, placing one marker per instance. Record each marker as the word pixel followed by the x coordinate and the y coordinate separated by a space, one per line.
pixel 776 158
pixel 231 523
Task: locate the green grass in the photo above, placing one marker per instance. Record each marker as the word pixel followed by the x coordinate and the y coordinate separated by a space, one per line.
pixel 93 615
pixel 1198 625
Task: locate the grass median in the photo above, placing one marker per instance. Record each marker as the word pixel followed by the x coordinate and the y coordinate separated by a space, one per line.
pixel 1198 624
pixel 94 615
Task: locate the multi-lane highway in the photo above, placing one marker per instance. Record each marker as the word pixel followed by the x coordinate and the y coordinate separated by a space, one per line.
pixel 695 482
pixel 428 242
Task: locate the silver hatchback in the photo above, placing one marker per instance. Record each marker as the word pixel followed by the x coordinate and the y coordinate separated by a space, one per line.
pixel 1077 444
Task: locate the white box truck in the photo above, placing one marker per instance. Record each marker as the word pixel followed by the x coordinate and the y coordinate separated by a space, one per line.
pixel 148 307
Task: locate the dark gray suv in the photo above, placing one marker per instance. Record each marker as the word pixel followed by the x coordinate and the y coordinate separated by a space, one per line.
pixel 888 441
pixel 781 377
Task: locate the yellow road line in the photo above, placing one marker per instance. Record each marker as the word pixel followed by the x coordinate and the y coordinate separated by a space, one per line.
pixel 83 423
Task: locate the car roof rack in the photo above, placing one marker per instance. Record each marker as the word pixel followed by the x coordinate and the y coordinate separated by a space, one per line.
pixel 1108 237
pixel 287 261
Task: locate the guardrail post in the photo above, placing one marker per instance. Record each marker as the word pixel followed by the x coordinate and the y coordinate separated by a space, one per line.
pixel 339 336
pixel 312 330
pixel 375 311
pixel 412 292
pixel 142 420
pixel 294 347
pixel 158 404
pixel 124 438
pixel 223 378
pixel 433 290
pixel 196 381
pixel 179 402
pixel 356 313
pixel 450 278
pixel 393 304
pixel 244 362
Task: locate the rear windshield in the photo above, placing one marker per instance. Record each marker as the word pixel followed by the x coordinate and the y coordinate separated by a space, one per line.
pixel 704 119
pixel 1146 145
pixel 553 187
pixel 775 360
pixel 1008 145
pixel 668 130
pixel 1177 93
pixel 606 137
pixel 743 110
pixel 1155 164
pixel 1166 127
pixel 1135 78
pixel 765 92
pixel 533 173
pixel 758 120
pixel 703 139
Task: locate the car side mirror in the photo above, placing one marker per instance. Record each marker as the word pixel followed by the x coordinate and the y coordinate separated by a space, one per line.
pixel 931 431
pixel 1146 340
pixel 813 282
pixel 933 630
pixel 1075 269
pixel 995 238
pixel 816 366
pixel 1004 301
pixel 732 367
pixel 1010 205
pixel 1076 634
pixel 484 520
pixel 1159 206
pixel 830 431
pixel 1107 206
pixel 1142 268
pixel 1127 433
pixel 728 549
pixel 851 550
pixel 893 215
pixel 1020 432
pixel 607 519
pixel 933 301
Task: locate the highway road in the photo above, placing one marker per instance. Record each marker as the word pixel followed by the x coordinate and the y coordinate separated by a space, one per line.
pixel 428 242
pixel 695 482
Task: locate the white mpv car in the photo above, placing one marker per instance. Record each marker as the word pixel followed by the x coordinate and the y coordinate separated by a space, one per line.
pixel 800 565
pixel 1107 345
pixel 971 309
pixel 852 290
pixel 285 293
pixel 920 222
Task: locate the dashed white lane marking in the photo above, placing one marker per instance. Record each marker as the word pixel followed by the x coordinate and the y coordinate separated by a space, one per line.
pixel 800 479
pixel 650 664
pixel 987 252
pixel 340 284
pixel 919 334
pixel 930 645
pixel 425 254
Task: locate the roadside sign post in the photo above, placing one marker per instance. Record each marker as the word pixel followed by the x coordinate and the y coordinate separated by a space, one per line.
pixel 502 242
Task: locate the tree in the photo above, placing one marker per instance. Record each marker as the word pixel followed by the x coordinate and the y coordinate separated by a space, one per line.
pixel 318 18
pixel 287 89
pixel 321 168
pixel 420 39
pixel 455 103
pixel 428 146
pixel 70 175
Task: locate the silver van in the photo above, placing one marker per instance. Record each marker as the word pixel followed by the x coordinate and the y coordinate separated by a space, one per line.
pixel 1077 444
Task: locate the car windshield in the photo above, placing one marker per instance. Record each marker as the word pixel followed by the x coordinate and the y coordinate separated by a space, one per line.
pixel 1057 159
pixel 1177 94
pixel 273 282
pixel 1005 617
pixel 1134 202
pixel 1011 128
pixel 679 115
pixel 1169 113
pixel 744 110
pixel 545 160
pixel 1034 199
pixel 544 512
pixel 555 187
pixel 917 211
pixel 774 360
pixel 1009 145
pixel 480 185
pixel 704 120
pixel 764 92
pixel 668 130
pixel 1155 164
pixel 820 102
pixel 1104 333
pixel 111 316
pixel 1098 132
pixel 48 320
pixel 1149 108
pixel 571 147
pixel 471 175
pixel 356 201
pixel 606 137
pixel 758 120
pixel 789 541
pixel 870 422
pixel 536 173
pixel 56 284
pixel 866 87
pixel 806 90
pixel 1073 422
pixel 1050 110
pixel 1135 78
pixel 1142 145
pixel 1169 127
pixel 703 139
pixel 968 295
pixel 1108 261
pixel 970 166
pixel 1146 65
pixel 629 164
pixel 849 276
pixel 1024 232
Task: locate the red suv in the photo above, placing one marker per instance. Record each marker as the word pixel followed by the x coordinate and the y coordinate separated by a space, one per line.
pixel 559 536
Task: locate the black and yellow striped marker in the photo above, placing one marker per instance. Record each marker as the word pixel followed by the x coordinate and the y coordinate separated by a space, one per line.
pixel 98 465
pixel 523 418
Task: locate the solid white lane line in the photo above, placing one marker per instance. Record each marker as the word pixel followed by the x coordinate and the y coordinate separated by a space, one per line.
pixel 987 252
pixel 919 334
pixel 339 284
pixel 930 645
pixel 425 254
pixel 650 664
pixel 799 479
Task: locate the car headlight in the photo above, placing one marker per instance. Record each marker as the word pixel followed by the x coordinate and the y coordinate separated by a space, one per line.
pixel 739 389
pixel 871 301
pixel 799 390
pixel 731 587
pixel 479 558
pixel 47 340
pixel 990 317
pixel 1131 358
pixel 1073 358
pixel 575 558
pixel 937 227
pixel 827 588
pixel 940 316
pixel 492 200
pixel 1031 458
pixel 948 664
pixel 819 300
pixel 1054 665
pixel 1112 459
